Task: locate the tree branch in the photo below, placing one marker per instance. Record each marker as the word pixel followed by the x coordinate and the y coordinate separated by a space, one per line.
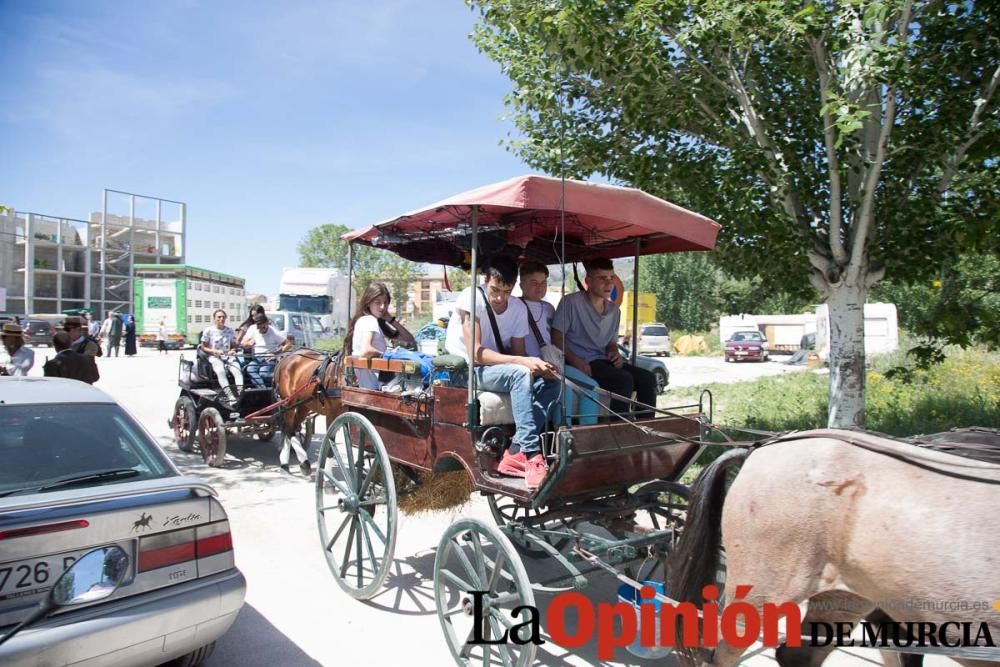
pixel 975 123
pixel 865 216
pixel 833 163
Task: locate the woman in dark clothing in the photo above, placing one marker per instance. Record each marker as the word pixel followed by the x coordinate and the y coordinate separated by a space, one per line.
pixel 130 337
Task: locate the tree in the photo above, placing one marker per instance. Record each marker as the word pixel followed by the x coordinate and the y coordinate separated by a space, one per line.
pixel 323 247
pixel 833 140
pixel 685 287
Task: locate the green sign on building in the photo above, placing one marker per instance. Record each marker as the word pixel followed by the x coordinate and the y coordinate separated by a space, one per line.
pixel 159 302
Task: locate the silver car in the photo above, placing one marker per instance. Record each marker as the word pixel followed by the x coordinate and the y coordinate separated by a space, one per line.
pixel 79 473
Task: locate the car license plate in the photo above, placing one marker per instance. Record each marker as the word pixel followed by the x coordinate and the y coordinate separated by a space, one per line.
pixel 35 576
pixel 741 353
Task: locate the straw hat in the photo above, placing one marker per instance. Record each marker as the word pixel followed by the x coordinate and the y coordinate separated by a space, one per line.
pixel 12 329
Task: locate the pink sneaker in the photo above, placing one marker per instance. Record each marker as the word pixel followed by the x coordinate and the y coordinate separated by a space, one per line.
pixel 536 472
pixel 513 465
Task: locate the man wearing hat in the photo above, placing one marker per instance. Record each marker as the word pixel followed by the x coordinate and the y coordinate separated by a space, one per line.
pixel 19 357
pixel 81 343
pixel 267 342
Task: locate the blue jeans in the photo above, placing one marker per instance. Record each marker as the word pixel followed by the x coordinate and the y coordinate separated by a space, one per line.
pixel 261 371
pixel 529 399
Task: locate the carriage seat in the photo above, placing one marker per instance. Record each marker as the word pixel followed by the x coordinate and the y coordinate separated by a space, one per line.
pixel 494 408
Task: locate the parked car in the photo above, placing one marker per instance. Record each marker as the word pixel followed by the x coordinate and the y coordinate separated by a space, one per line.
pixel 38 332
pixel 654 366
pixel 746 345
pixel 80 473
pixel 654 338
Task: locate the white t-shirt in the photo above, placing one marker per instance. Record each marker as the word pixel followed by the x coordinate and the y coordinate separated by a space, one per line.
pixel 363 330
pixel 512 323
pixel 542 313
pixel 269 342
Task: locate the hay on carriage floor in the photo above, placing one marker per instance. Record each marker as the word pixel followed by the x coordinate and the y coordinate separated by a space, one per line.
pixel 437 491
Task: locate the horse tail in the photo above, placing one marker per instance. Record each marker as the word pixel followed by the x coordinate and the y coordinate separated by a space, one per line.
pixel 695 560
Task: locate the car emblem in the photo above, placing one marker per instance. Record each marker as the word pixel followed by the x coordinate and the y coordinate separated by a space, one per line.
pixel 144 521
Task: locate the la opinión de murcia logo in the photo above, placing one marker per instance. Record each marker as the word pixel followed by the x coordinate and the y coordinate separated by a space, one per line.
pixel 738 624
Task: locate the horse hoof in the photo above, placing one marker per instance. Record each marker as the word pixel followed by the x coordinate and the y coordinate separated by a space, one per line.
pixel 306 468
pixel 284 467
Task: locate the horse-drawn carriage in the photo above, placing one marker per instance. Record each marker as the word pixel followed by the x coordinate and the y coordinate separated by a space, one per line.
pixel 205 413
pixel 811 518
pixel 612 498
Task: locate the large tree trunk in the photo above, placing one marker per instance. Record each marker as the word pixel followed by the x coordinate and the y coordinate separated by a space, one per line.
pixel 846 301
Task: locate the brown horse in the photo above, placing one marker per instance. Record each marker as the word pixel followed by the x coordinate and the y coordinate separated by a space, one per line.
pixel 847 525
pixel 309 379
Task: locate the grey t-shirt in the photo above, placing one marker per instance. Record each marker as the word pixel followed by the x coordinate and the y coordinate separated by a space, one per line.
pixel 586 333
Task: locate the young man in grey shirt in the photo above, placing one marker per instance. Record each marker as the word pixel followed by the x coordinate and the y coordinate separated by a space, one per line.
pixel 585 328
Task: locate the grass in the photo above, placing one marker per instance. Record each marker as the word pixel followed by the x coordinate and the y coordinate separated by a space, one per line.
pixel 964 390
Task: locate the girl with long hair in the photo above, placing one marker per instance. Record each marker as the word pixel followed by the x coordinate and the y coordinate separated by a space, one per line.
pixel 369 329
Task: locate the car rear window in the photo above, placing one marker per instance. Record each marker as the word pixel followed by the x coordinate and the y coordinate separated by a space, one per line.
pixel 42 445
pixel 654 331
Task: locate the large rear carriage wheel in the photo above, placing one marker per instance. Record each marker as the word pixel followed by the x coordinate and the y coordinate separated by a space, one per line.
pixel 473 556
pixel 212 437
pixel 183 424
pixel 356 505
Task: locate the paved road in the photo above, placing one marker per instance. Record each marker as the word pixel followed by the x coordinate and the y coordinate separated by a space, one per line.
pixel 295 615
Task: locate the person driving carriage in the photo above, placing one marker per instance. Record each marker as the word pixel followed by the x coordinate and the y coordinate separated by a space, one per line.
pixel 218 343
pixel 503 367
pixel 266 342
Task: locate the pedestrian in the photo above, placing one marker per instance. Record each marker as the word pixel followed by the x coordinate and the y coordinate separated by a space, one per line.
pixel 93 326
pixel 161 336
pixel 111 330
pixel 80 340
pixel 18 358
pixel 70 364
pixel 130 337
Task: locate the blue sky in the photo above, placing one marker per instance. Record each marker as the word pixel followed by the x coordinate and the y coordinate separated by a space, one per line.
pixel 266 118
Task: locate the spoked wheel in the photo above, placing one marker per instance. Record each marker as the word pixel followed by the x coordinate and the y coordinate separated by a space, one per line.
pixel 212 437
pixel 183 424
pixel 356 505
pixel 666 507
pixel 473 556
pixel 506 511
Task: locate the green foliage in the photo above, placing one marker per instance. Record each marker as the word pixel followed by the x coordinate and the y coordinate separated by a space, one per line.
pixel 322 247
pixel 684 285
pixel 964 390
pixel 692 292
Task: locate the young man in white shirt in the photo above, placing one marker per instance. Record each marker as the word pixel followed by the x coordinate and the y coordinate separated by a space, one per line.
pixel 218 343
pixel 266 342
pixel 502 365
pixel 534 282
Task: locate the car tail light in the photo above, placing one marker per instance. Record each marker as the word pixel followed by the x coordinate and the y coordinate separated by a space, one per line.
pixel 181 546
pixel 42 530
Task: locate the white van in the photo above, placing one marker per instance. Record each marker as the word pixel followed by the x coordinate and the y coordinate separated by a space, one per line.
pixel 305 327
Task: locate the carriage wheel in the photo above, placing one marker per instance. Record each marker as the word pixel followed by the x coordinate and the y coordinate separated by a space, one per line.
pixel 473 556
pixel 212 437
pixel 184 423
pixel 666 507
pixel 506 511
pixel 356 505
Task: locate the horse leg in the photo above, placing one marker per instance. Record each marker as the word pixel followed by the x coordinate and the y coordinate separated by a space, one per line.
pixel 829 608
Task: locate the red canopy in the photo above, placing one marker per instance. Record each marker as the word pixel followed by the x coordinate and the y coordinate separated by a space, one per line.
pixel 526 212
